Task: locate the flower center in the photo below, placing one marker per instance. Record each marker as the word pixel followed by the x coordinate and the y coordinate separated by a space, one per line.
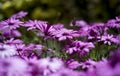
pixel 10 23
pixel 2 49
pixel 65 34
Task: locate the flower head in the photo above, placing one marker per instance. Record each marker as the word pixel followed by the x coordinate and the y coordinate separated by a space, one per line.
pixel 64 34
pixel 108 39
pixel 11 24
pixel 80 23
pixel 79 47
pixel 114 23
pixel 43 28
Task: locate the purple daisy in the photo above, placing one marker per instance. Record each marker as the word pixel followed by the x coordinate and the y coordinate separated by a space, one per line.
pixel 79 47
pixel 16 33
pixel 96 30
pixel 64 34
pixel 31 24
pixel 13 41
pixel 30 51
pixel 11 24
pixel 84 31
pixel 108 39
pixel 58 26
pixel 80 23
pixel 10 34
pixel 17 43
pixel 114 23
pixel 42 28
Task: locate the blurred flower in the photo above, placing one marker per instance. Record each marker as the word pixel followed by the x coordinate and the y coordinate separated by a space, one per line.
pixel 110 67
pixel 13 41
pixel 13 67
pixel 68 72
pixel 108 39
pixel 45 66
pixel 30 51
pixel 7 51
pixel 114 58
pixel 19 15
pixel 80 23
pixel 58 26
pixel 11 34
pixel 17 43
pixel 88 64
pixel 16 33
pixel 103 69
pixel 114 23
pixel 83 31
pixel 72 64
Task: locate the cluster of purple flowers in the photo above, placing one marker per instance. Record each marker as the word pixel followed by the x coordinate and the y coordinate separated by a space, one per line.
pixel 79 47
pixel 58 51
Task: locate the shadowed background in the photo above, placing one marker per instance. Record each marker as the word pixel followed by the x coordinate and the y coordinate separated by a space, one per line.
pixel 62 11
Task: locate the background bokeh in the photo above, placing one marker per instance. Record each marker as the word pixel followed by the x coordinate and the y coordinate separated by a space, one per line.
pixel 62 11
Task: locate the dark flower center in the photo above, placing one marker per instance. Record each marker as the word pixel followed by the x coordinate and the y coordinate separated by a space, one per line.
pixel 2 49
pixel 82 47
pixel 65 34
pixel 10 23
pixel 117 22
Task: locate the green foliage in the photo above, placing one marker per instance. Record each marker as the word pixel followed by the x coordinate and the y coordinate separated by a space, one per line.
pixel 63 11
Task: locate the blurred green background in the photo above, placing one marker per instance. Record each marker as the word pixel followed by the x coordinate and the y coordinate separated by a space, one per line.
pixel 62 11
